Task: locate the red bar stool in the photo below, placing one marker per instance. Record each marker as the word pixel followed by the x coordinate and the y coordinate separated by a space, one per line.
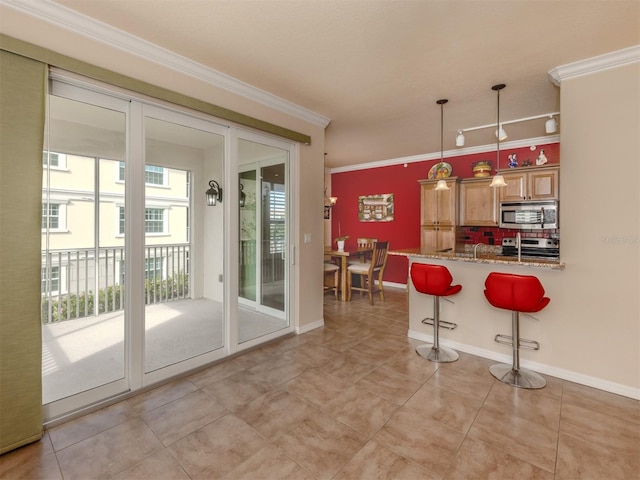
pixel 518 293
pixel 435 280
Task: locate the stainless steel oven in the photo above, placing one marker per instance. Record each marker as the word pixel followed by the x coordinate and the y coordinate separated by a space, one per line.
pixel 532 215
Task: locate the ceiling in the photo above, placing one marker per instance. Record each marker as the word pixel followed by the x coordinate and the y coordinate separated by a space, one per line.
pixel 375 68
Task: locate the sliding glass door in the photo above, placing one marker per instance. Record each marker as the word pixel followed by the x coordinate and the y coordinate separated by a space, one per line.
pixel 184 301
pixel 83 252
pixel 264 234
pixel 134 260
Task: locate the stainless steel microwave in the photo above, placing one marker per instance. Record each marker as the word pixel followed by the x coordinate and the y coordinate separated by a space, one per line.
pixel 531 215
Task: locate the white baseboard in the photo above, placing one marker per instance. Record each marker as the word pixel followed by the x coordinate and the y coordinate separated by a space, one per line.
pixel 575 377
pixel 310 326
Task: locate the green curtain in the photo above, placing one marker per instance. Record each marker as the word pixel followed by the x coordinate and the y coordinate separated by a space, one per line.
pixel 22 116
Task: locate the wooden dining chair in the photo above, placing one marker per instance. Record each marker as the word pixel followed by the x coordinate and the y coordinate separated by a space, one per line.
pixel 363 243
pixel 331 270
pixel 368 271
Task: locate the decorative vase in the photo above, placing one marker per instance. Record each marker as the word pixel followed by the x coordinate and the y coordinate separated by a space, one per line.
pixel 340 245
pixel 482 169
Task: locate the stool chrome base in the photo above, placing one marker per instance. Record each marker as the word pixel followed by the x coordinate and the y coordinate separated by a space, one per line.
pixel 521 378
pixel 439 355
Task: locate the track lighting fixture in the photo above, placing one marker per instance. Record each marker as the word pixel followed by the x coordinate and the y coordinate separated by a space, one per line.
pixel 551 126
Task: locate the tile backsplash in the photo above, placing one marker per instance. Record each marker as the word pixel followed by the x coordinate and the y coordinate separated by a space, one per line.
pixel 494 235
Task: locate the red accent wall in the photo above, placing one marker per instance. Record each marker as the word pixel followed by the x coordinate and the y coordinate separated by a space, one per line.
pixel 402 181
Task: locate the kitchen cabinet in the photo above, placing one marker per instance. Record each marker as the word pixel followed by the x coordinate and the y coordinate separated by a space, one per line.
pixel 530 183
pixel 438 238
pixel 478 203
pixel 438 215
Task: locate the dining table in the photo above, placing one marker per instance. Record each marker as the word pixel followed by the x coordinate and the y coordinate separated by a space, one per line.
pixel 343 257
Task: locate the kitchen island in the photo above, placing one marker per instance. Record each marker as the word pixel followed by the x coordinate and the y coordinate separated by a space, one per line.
pixel 478 321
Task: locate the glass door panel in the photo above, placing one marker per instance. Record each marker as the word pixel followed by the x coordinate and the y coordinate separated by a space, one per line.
pixel 83 320
pixel 263 269
pixel 184 301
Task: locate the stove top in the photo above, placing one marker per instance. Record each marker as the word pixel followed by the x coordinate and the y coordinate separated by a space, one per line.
pixel 548 248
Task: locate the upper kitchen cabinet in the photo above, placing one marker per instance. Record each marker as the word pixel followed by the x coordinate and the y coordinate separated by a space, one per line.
pixel 530 183
pixel 478 203
pixel 438 207
pixel 439 213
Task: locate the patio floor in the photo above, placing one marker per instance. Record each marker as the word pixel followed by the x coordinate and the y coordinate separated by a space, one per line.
pixel 84 353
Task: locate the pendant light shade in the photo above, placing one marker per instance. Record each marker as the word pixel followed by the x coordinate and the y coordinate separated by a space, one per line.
pixel 498 180
pixel 460 139
pixel 442 184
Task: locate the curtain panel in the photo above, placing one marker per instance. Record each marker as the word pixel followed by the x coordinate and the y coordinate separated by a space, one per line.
pixel 22 116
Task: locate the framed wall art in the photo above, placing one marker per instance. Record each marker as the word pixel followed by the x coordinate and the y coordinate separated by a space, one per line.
pixel 376 208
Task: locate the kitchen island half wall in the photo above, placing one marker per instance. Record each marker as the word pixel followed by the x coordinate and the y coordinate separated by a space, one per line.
pixel 556 330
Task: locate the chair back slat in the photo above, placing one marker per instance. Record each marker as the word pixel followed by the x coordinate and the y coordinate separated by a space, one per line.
pixel 379 256
pixel 366 242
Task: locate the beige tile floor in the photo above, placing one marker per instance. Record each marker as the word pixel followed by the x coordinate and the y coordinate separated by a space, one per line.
pixel 351 400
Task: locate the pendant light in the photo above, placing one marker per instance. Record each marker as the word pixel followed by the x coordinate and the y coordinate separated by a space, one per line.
pixel 442 184
pixel 498 180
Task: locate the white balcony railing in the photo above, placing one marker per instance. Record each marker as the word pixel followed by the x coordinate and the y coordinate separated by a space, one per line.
pixel 83 282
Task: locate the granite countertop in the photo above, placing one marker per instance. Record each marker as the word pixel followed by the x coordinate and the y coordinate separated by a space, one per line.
pixel 482 257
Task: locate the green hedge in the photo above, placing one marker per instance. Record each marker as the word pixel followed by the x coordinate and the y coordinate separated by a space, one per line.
pixel 110 299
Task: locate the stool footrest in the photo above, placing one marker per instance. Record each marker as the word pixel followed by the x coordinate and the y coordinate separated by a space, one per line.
pixel 441 323
pixel 524 342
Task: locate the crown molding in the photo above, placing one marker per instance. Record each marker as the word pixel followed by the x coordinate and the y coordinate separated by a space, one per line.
pixel 591 65
pixel 53 13
pixel 527 142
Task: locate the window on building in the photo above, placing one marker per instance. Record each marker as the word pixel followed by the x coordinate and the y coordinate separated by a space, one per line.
pixel 154 220
pixel 54 160
pixel 153 175
pixel 121 220
pixel 51 282
pixel 51 216
pixel 153 268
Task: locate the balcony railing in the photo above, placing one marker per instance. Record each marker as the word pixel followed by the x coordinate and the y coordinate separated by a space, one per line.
pixel 71 278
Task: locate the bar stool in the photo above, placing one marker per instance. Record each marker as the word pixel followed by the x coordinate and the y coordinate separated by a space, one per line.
pixel 435 280
pixel 518 293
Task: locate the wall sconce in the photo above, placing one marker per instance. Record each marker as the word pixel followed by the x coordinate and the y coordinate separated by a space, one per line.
pixel 329 201
pixel 214 194
pixel 243 197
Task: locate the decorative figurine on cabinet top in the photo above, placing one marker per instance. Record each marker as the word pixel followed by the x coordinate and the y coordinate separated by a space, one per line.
pixel 513 162
pixel 542 159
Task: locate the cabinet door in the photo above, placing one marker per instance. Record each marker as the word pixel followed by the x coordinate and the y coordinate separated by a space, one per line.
pixel 429 239
pixel 543 185
pixel 437 238
pixel 428 204
pixel 479 203
pixel 516 188
pixel 447 205
pixel 446 237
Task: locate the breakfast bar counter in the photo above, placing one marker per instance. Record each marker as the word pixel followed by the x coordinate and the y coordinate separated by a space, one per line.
pixel 479 322
pixel 485 258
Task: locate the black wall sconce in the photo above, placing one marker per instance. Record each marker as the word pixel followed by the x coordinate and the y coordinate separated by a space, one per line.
pixel 243 197
pixel 214 194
